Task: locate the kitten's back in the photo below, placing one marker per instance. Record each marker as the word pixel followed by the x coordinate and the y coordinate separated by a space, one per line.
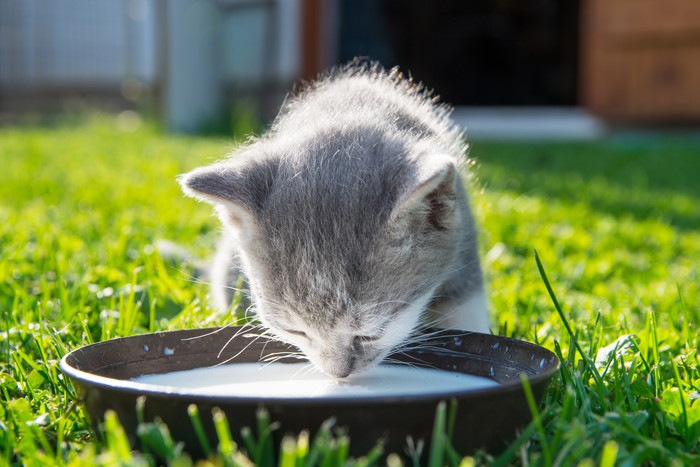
pixel 367 95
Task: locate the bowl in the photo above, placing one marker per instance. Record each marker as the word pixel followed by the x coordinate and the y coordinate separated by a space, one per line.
pixel 486 418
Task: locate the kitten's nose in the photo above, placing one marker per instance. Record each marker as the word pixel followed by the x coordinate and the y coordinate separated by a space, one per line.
pixel 342 368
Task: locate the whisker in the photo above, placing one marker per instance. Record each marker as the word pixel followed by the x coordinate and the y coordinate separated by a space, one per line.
pixel 413 357
pixel 304 370
pixel 239 353
pixel 271 337
pixel 243 329
pixel 199 281
pixel 372 306
pixel 394 361
pixel 281 355
pixel 238 333
pixel 311 368
pixel 211 333
pixel 278 355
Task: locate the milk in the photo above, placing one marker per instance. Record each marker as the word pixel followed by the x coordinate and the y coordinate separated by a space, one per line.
pixel 301 380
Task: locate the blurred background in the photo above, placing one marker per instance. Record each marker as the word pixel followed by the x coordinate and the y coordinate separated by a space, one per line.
pixel 535 69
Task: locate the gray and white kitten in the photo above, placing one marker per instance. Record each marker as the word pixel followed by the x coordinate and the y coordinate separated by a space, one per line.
pixel 349 220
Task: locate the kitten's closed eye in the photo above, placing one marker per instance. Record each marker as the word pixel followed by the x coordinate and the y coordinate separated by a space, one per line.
pixel 366 339
pixel 294 332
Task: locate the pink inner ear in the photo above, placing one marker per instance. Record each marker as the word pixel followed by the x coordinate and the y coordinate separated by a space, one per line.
pixel 234 217
pixel 435 194
pixel 441 203
pixel 235 221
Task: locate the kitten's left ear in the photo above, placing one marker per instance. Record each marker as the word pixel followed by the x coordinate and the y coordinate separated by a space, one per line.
pixel 431 198
pixel 237 188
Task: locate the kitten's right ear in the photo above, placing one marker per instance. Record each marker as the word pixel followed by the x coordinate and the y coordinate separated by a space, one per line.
pixel 430 198
pixel 215 184
pixel 236 190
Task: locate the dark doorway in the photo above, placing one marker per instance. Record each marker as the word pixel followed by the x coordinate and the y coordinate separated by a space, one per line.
pixel 477 52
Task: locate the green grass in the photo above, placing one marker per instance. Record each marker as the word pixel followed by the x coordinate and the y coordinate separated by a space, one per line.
pixel 616 228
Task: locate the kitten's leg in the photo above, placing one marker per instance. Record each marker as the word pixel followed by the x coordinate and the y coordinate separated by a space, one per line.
pixel 469 313
pixel 222 272
pixel 460 302
pixel 224 276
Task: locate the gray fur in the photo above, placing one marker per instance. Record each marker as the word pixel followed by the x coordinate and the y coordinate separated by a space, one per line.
pixel 349 219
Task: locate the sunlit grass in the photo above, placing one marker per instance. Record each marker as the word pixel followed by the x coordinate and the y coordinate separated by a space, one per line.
pixel 616 225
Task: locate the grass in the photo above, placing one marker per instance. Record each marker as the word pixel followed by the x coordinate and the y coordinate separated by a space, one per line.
pixel 613 289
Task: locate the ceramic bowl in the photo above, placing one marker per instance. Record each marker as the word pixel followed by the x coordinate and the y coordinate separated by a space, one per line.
pixel 485 418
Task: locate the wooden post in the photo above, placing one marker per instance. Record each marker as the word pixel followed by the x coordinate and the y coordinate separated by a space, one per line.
pixel 311 27
pixel 640 60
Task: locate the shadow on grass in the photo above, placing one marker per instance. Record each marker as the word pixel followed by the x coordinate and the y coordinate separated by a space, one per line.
pixel 644 177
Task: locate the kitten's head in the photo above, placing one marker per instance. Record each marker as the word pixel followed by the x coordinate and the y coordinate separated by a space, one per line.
pixel 342 253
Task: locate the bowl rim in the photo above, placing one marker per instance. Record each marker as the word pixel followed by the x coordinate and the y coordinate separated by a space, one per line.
pixel 545 373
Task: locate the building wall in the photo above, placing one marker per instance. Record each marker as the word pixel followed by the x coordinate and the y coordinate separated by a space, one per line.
pixel 193 58
pixel 72 43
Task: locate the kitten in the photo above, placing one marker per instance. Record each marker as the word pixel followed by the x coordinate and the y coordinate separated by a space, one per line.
pixel 349 220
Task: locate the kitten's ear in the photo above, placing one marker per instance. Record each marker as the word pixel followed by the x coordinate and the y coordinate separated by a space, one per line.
pixel 430 199
pixel 236 189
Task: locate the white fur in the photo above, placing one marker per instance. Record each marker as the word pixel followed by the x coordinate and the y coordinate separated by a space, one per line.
pixel 471 315
pixel 406 321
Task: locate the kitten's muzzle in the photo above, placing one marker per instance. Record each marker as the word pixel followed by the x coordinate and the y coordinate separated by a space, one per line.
pixel 340 367
pixel 347 369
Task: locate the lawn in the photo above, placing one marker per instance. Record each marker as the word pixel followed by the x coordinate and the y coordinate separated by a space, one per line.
pixel 615 224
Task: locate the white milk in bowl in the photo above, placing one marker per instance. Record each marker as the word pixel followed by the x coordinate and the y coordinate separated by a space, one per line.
pixel 301 380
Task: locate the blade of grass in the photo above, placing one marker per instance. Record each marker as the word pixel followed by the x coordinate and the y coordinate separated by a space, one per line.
pixel 193 412
pixel 372 456
pixel 288 452
pixel 329 458
pixel 589 364
pixel 343 449
pixel 264 454
pixel 686 429
pixel 565 416
pixel 607 459
pixel 248 440
pixel 302 448
pixel 116 437
pixel 537 418
pixel 508 456
pixel 437 448
pixel 320 442
pixel 655 353
pixel 227 447
pixel 452 418
pixel 393 460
